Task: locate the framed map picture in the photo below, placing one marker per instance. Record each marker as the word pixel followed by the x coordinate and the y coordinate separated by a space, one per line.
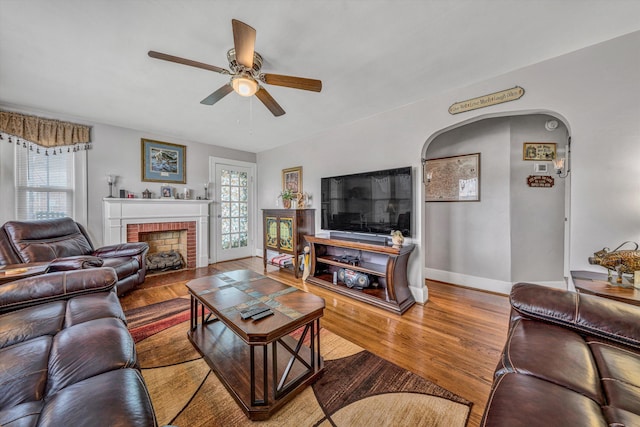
pixel 452 179
pixel 163 162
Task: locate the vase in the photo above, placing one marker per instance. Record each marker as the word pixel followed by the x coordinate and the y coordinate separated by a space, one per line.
pixel 286 203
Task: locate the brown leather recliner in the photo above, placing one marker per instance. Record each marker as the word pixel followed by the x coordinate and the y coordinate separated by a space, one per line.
pixel 570 360
pixel 66 356
pixel 66 244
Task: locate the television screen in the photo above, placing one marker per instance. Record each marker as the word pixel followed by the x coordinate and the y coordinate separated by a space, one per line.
pixel 371 202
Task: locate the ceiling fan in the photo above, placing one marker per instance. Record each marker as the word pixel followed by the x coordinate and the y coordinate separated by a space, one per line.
pixel 245 64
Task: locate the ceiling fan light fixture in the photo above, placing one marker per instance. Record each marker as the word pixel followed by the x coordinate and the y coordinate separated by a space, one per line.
pixel 244 86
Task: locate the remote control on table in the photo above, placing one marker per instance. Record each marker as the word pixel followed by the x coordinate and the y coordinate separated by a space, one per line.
pixel 247 313
pixel 261 315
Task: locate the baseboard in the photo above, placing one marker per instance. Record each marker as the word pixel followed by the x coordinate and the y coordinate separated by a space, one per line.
pixel 482 283
pixel 421 294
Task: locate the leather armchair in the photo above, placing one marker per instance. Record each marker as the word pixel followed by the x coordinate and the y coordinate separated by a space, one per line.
pixel 570 360
pixel 67 245
pixel 67 357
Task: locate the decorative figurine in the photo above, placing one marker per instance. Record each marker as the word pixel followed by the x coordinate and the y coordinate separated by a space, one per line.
pixel 620 261
pixel 397 238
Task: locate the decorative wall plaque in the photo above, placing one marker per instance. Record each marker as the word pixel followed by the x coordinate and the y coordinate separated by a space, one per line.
pixel 543 181
pixel 487 100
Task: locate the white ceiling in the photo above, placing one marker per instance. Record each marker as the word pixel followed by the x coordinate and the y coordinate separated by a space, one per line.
pixel 88 58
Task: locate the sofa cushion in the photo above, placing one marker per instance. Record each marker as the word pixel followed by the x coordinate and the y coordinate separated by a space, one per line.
pixel 622 390
pixel 47 240
pixel 115 398
pixel 31 322
pixel 554 354
pixel 89 349
pixel 24 371
pixel 84 308
pixel 524 401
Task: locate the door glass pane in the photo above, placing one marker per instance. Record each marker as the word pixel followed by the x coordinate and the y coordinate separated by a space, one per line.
pixel 234 213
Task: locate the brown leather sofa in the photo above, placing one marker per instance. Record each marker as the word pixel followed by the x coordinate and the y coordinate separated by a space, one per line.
pixel 66 356
pixel 67 244
pixel 570 360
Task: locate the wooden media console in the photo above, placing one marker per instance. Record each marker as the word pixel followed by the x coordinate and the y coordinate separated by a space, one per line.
pixel 385 268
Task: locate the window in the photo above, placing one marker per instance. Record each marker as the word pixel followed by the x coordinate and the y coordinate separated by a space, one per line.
pixel 44 185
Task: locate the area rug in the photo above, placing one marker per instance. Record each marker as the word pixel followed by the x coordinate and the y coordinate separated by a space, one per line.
pixel 356 389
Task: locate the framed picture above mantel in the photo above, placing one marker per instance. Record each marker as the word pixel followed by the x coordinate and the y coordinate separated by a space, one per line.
pixel 163 162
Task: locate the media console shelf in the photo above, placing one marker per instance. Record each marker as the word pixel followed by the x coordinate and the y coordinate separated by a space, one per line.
pixel 385 266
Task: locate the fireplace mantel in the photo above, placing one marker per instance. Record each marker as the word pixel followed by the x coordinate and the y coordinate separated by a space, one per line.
pixel 118 213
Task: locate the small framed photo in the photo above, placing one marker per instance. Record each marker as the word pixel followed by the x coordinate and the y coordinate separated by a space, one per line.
pixel 166 192
pixel 163 162
pixel 545 151
pixel 292 179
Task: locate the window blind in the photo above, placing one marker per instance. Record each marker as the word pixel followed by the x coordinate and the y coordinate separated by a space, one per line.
pixel 44 185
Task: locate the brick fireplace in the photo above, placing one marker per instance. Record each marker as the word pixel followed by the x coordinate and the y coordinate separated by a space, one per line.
pixel 166 236
pixel 131 220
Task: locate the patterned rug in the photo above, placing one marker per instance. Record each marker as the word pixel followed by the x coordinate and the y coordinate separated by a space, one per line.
pixel 356 389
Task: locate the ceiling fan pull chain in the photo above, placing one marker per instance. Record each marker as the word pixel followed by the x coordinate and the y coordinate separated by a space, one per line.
pixel 251 116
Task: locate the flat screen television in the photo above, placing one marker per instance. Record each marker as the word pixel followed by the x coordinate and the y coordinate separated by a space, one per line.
pixel 370 202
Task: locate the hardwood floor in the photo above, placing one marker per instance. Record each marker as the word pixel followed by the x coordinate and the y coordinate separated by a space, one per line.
pixel 454 340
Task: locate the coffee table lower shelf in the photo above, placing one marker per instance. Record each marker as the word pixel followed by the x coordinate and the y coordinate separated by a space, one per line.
pixel 247 371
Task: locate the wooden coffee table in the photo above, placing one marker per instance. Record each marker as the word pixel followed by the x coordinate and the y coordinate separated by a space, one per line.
pixel 258 361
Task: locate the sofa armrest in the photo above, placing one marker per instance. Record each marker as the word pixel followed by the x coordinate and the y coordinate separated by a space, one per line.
pixel 74 263
pixel 122 250
pixel 586 314
pixel 55 286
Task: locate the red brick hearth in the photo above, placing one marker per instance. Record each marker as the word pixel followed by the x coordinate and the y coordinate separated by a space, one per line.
pixel 134 231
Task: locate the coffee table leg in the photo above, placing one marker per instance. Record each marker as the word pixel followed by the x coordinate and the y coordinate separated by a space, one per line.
pixel 194 313
pixel 252 362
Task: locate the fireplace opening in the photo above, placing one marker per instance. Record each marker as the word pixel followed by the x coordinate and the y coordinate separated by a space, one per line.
pixel 167 250
pixel 164 238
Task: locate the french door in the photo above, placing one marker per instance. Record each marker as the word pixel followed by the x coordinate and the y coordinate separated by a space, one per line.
pixel 234 213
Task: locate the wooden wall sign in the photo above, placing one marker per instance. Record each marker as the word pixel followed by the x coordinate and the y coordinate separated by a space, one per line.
pixel 544 181
pixel 487 100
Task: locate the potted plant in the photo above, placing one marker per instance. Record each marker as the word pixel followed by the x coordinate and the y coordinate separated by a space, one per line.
pixel 287 195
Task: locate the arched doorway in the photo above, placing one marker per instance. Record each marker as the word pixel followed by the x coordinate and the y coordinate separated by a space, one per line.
pixel 515 232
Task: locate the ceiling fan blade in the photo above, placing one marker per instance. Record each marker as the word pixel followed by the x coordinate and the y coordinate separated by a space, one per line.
pixel 269 102
pixel 293 82
pixel 217 95
pixel 244 41
pixel 178 60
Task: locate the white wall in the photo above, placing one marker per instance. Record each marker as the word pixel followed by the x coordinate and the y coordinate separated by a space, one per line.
pixel 595 90
pixel 470 237
pixel 117 150
pixel 537 214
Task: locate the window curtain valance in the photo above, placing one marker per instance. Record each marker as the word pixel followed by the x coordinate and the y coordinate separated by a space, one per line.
pixel 46 133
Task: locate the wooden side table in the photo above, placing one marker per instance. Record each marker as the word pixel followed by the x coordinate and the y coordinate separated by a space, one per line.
pixel 11 272
pixel 589 282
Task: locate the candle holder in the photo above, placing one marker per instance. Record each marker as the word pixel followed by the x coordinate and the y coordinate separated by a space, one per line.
pixel 111 180
pixel 206 191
